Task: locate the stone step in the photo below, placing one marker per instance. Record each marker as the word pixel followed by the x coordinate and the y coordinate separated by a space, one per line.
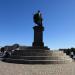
pixel 38 50
pixel 38 53
pixel 41 57
pixel 33 48
pixel 23 61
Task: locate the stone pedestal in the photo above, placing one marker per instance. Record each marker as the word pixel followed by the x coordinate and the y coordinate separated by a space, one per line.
pixel 38 36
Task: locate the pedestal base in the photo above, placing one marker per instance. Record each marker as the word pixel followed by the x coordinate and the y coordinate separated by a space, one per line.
pixel 38 57
pixel 38 44
pixel 38 36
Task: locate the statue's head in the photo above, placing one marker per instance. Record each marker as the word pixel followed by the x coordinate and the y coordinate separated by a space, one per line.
pixel 38 18
pixel 38 11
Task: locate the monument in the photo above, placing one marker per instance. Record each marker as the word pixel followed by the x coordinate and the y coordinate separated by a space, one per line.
pixel 37 53
pixel 38 31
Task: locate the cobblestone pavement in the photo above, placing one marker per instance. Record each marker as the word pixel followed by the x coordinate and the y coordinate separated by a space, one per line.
pixel 24 69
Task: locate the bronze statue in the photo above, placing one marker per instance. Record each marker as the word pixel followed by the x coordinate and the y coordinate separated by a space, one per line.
pixel 38 18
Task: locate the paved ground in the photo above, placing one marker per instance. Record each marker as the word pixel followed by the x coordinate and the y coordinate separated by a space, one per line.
pixel 24 69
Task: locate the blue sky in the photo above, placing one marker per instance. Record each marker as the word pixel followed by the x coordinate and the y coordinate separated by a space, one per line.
pixel 16 22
